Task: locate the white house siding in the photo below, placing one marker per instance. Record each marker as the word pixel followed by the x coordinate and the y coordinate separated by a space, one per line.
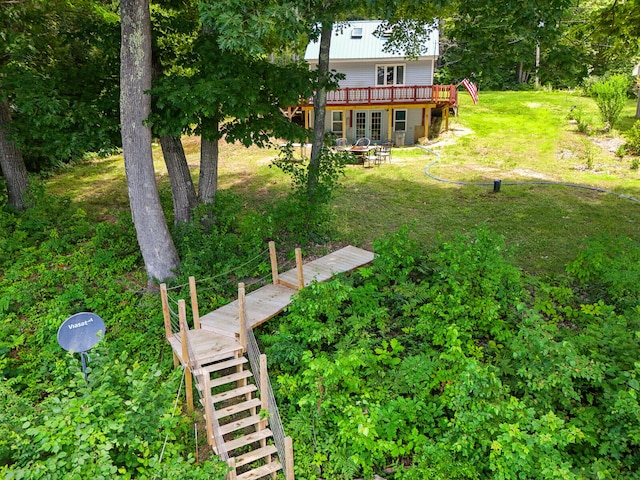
pixel 363 73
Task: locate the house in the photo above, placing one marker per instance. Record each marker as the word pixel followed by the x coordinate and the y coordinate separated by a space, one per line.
pixel 384 95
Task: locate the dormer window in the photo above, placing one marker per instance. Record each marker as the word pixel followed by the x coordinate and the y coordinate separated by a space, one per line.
pixel 356 32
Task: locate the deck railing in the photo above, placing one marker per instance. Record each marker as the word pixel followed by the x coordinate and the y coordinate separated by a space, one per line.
pixel 390 95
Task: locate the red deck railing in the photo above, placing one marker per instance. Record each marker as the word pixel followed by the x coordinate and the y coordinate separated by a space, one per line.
pixel 392 95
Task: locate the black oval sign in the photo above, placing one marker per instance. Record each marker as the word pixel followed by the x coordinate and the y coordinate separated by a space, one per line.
pixel 80 332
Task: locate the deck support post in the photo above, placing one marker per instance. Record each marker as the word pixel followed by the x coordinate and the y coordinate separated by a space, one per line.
pixel 263 389
pixel 242 316
pixel 194 303
pixel 184 331
pixel 299 268
pixel 288 448
pixel 167 318
pixel 274 262
pixel 390 125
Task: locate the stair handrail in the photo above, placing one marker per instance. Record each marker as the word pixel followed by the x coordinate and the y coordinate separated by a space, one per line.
pixel 283 444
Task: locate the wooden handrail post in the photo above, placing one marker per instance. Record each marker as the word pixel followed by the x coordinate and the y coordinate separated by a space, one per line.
pixel 242 317
pixel 167 318
pixel 288 448
pixel 194 303
pixel 184 332
pixel 274 262
pixel 165 310
pixel 263 389
pixel 211 439
pixel 232 473
pixel 299 268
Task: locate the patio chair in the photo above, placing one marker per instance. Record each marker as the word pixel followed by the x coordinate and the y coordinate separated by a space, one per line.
pixel 384 152
pixel 371 157
pixel 362 142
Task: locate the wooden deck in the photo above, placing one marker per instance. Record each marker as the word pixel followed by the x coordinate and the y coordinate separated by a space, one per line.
pixel 391 96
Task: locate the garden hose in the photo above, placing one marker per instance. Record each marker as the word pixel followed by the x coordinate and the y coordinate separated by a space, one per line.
pixel 480 184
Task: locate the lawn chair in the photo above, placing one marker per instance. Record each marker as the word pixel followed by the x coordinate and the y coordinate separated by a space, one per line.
pixel 384 152
pixel 371 157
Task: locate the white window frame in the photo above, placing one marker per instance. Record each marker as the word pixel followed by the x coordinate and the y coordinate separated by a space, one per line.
pixel 396 121
pixel 394 67
pixel 337 122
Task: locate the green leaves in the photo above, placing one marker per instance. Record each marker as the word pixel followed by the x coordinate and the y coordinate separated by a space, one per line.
pixel 461 366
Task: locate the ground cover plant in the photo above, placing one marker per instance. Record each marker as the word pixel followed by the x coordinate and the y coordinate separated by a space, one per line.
pixel 454 364
pixel 396 365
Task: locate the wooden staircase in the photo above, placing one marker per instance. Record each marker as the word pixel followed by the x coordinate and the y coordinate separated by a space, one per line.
pixel 229 395
pixel 230 375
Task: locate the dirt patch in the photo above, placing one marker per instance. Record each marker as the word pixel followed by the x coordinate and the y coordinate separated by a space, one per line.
pixel 610 145
pixel 449 137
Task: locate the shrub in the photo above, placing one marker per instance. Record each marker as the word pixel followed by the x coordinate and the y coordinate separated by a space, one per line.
pixel 611 95
pixel 633 139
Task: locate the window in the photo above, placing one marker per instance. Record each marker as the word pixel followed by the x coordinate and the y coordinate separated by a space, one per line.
pixel 400 120
pixel 336 122
pixel 356 32
pixel 390 75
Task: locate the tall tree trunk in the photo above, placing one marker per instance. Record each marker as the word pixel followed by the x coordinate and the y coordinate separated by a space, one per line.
pixel 638 105
pixel 12 163
pixel 158 251
pixel 182 190
pixel 319 109
pixel 208 182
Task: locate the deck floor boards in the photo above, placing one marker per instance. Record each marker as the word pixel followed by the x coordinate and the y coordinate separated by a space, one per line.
pixel 220 327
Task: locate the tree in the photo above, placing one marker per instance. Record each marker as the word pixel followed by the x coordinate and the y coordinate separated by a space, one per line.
pixel 58 83
pixel 226 86
pixel 11 163
pixel 158 251
pixel 498 41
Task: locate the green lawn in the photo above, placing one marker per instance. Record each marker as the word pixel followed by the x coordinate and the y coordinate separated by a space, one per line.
pixel 516 137
pixel 511 136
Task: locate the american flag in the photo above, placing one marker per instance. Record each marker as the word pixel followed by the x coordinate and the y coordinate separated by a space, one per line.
pixel 472 89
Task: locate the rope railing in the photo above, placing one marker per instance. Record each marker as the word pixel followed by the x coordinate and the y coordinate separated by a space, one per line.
pixel 275 422
pixel 228 273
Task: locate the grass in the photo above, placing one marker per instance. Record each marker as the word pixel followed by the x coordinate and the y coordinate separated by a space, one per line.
pixel 514 137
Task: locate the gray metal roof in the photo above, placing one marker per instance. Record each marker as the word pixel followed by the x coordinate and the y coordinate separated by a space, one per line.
pixel 347 45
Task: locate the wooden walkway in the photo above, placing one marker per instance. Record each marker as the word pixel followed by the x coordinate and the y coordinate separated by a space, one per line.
pixel 218 332
pixel 217 350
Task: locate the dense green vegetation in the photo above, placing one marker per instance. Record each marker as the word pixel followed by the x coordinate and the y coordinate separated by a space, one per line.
pixel 451 363
pixel 494 338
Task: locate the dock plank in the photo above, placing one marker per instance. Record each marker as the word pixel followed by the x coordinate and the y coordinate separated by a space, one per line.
pixel 268 301
pixel 322 269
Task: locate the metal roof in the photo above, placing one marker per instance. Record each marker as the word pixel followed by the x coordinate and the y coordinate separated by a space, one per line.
pixel 348 44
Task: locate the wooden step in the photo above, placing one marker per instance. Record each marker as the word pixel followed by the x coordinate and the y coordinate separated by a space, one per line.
pixel 215 367
pixel 234 377
pixel 248 439
pixel 240 407
pixel 260 472
pixel 254 455
pixel 237 425
pixel 236 392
